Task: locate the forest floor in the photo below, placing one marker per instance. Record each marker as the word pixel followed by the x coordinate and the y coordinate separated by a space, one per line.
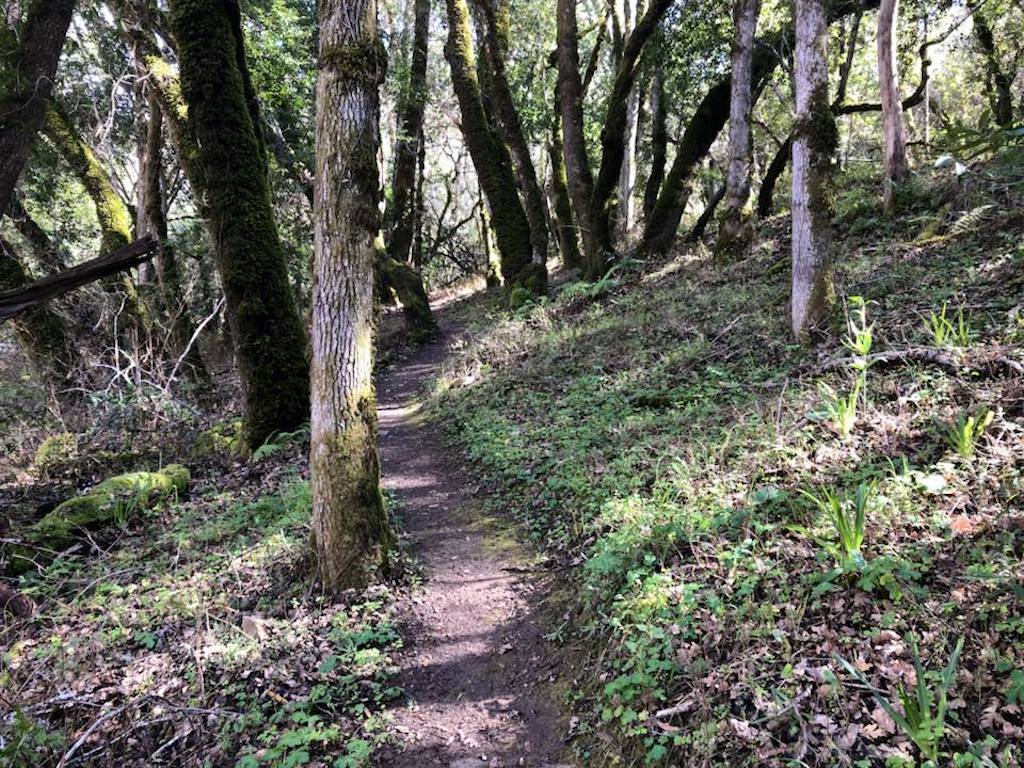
pixel 476 672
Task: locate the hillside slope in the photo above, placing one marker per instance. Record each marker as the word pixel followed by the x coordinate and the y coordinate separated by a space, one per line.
pixel 659 433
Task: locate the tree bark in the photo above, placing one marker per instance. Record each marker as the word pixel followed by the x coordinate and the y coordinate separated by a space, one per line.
pixel 894 142
pixel 613 134
pixel 49 257
pixel 27 69
pixel 350 533
pixel 999 84
pixel 735 231
pixel 570 104
pixel 814 144
pixel 401 215
pixel 625 216
pixel 568 240
pixel 268 338
pixel 492 161
pixel 659 141
pixel 494 53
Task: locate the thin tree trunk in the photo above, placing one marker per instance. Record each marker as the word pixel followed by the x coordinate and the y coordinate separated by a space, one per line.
pixel 815 142
pixel 659 141
pixel 168 274
pixel 27 70
pixel 401 213
pixel 420 208
pixel 401 216
pixel 494 53
pixel 570 105
pixel 47 254
pixel 568 241
pixel 492 160
pixel 894 142
pixel 735 232
pixel 268 338
pixel 625 216
pixel 351 537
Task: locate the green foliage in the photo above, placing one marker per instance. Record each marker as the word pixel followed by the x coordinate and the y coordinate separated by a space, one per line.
pixel 923 718
pixel 841 409
pixel 964 433
pixel 847 516
pixel 279 441
pixel 24 741
pixel 860 333
pixel 947 331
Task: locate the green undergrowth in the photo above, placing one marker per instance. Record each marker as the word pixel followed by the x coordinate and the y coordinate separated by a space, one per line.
pixel 729 544
pixel 196 639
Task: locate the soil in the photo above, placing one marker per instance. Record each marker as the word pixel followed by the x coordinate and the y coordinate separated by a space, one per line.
pixel 476 668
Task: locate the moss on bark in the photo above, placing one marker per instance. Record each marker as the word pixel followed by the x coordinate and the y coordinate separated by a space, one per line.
pixel 268 337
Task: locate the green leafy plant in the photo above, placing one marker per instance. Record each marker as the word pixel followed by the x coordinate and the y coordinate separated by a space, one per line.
pixel 923 718
pixel 841 409
pixel 860 334
pixel 948 331
pixel 278 442
pixel 848 517
pixel 964 433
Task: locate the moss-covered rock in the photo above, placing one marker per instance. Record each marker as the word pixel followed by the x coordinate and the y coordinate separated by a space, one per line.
pixel 224 438
pixel 114 501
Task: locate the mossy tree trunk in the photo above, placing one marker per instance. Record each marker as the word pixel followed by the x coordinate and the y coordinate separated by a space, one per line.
pixel 735 232
pixel 999 85
pixel 28 65
pixel 570 93
pixel 492 160
pixel 495 21
pixel 112 214
pixel 814 145
pixel 568 240
pixel 44 337
pixel 894 143
pixel 351 537
pixel 269 342
pixel 401 214
pixel 659 141
pixel 168 274
pixel 613 136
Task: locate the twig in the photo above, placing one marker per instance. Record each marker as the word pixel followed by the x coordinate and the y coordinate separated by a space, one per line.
pixel 191 341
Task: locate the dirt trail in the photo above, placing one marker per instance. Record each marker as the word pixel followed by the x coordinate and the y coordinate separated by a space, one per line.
pixel 474 671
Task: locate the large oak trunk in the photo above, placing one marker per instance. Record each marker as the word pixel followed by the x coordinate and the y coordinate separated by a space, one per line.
pixel 350 533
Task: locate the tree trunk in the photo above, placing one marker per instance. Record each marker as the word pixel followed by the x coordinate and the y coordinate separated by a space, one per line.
pixel 613 135
pixel 659 141
pixel 570 104
pixel 568 241
pixel 168 275
pixel 401 218
pixel 112 213
pixel 27 70
pixel 625 216
pixel 43 336
pixel 999 84
pixel 735 233
pixel 268 337
pixel 350 532
pixel 894 142
pixel 511 128
pixel 401 212
pixel 815 142
pixel 49 257
pixel 708 121
pixel 492 161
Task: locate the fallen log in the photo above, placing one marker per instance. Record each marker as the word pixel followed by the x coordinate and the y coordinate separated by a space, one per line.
pixel 14 303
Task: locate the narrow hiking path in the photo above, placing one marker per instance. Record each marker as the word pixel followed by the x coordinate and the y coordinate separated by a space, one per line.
pixel 474 670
